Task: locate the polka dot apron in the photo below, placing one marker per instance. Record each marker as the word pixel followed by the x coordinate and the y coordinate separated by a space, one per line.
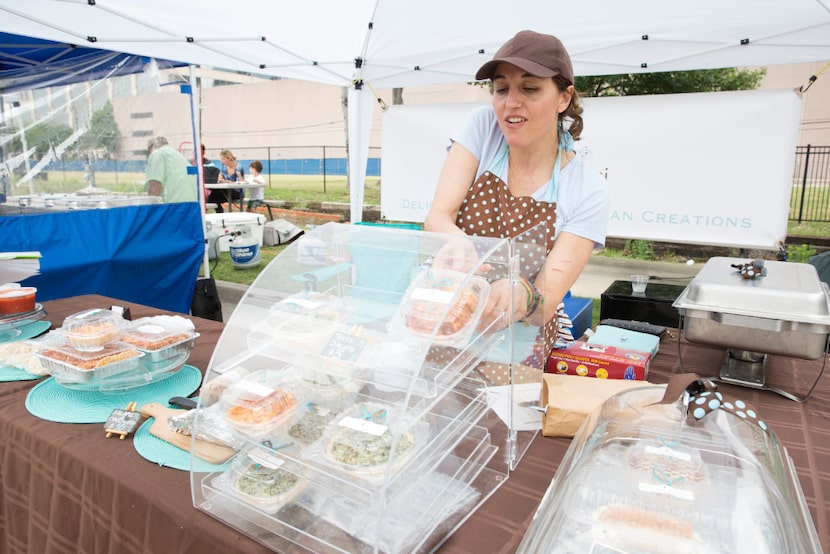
pixel 490 210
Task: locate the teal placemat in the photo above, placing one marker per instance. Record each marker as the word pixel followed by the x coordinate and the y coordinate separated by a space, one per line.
pixel 10 373
pixel 163 453
pixel 53 402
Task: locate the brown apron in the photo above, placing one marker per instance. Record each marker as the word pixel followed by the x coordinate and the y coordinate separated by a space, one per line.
pixel 489 210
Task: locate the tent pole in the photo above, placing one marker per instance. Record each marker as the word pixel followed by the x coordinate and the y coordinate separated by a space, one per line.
pixel 197 157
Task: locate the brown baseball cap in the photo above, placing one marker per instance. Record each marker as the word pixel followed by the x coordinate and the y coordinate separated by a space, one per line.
pixel 538 54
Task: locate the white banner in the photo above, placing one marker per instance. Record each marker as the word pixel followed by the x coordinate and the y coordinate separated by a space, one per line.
pixel 703 168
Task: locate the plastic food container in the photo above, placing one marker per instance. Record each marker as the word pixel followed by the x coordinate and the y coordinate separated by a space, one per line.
pixel 446 303
pixel 261 479
pixel 158 341
pixel 718 484
pixel 70 366
pixel 361 440
pixel 257 408
pixel 91 330
pixel 305 330
pixel 17 300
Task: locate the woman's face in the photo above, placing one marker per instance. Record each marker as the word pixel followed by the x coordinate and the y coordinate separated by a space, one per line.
pixel 227 161
pixel 527 107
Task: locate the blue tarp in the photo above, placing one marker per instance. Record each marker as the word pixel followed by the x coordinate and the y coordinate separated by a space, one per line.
pixel 27 62
pixel 149 254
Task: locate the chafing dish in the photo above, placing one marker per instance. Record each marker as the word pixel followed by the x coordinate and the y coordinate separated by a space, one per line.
pixel 785 311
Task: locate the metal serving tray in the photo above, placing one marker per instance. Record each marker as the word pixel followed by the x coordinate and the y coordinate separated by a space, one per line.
pixel 785 312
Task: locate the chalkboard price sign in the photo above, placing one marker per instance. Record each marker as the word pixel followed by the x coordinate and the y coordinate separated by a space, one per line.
pixel 122 422
pixel 344 347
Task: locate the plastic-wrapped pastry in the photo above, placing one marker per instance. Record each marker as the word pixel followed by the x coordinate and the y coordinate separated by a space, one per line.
pixel 311 424
pixel 212 428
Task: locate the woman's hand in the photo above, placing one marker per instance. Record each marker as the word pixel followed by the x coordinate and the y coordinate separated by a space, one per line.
pixel 497 312
pixel 458 254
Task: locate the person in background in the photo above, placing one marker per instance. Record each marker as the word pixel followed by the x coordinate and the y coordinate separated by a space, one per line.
pixel 166 173
pixel 210 172
pixel 231 172
pixel 513 166
pixel 209 169
pixel 256 195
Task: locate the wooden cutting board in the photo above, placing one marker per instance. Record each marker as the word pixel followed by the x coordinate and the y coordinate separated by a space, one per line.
pixel 207 451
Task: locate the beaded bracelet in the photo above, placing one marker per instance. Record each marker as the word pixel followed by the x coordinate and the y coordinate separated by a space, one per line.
pixel 534 299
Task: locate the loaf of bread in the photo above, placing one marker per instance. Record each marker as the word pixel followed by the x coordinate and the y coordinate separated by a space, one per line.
pixel 631 528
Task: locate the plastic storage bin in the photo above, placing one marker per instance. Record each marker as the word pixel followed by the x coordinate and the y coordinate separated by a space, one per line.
pixel 388 429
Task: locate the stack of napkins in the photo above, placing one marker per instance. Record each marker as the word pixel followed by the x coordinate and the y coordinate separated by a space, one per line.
pixel 17 266
pixel 606 335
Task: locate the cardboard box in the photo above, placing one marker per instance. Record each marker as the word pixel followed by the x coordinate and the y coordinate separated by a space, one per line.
pixel 595 360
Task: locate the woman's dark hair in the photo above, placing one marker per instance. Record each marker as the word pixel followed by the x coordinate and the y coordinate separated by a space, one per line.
pixel 574 110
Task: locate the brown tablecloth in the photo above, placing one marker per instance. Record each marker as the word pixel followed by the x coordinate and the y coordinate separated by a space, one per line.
pixel 66 488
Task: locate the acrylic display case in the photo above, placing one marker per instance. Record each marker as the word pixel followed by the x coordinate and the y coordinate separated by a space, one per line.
pixel 652 477
pixel 348 374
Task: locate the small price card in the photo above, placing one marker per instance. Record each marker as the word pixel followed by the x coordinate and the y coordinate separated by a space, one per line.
pixel 123 422
pixel 344 347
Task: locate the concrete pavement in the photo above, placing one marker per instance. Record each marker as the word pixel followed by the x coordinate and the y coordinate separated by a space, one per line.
pixel 601 271
pixel 597 276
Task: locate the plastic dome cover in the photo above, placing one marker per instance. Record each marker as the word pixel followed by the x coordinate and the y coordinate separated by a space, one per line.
pixel 697 474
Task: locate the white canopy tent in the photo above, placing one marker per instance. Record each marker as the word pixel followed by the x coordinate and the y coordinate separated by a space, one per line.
pixel 373 44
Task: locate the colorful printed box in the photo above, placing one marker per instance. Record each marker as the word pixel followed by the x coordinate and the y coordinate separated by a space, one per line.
pixel 604 362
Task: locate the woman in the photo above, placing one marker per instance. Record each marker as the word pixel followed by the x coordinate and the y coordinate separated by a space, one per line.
pixel 232 172
pixel 516 161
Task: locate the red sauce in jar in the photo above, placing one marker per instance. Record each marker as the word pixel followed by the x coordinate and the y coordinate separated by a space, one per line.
pixel 17 301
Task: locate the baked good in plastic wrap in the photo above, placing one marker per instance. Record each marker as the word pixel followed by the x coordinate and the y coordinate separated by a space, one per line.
pixel 311 422
pixel 257 407
pixel 679 484
pixel 303 322
pixel 23 355
pixel 305 331
pixel 446 303
pixel 327 388
pixel 366 438
pixel 429 498
pixel 113 366
pixel 91 330
pixel 261 479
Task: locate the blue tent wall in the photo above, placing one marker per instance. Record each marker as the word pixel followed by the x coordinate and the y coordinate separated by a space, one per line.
pixel 27 62
pixel 145 254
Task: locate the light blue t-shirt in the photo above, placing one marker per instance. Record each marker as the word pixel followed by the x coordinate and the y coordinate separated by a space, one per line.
pixel 581 195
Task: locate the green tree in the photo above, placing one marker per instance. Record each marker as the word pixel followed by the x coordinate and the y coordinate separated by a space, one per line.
pixel 103 131
pixel 670 82
pixel 45 135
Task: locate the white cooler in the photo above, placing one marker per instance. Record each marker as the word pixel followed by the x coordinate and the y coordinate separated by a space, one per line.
pixel 229 222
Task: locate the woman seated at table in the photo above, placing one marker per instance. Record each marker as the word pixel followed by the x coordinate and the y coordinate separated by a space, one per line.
pixel 232 172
